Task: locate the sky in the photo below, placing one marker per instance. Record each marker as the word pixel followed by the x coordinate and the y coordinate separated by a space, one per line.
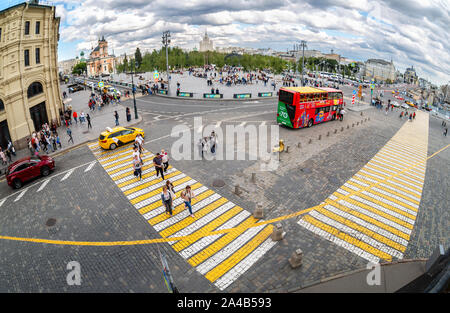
pixel 411 33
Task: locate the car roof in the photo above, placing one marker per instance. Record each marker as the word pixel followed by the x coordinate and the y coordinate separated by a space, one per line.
pixel 18 162
pixel 113 130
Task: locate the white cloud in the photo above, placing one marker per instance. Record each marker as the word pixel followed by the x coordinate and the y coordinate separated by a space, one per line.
pixel 409 32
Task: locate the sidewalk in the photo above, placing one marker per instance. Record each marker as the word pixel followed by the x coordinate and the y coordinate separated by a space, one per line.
pixel 80 133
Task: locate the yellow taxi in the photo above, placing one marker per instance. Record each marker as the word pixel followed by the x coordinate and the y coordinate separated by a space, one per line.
pixel 410 103
pixel 118 136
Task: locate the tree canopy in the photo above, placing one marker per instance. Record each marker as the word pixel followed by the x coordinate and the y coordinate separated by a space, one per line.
pixel 80 68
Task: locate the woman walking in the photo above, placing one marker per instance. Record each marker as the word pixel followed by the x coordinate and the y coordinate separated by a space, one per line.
pixel 187 196
pixel 137 165
pixel 116 116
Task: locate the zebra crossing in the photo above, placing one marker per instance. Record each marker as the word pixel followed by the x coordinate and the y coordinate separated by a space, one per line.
pixel 373 213
pixel 220 258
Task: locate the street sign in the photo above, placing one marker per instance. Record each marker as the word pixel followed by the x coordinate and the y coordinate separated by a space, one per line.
pixel 156 75
pixel 354 92
pixel 101 84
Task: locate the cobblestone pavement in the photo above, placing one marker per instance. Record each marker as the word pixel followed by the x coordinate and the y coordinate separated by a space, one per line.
pixel 88 206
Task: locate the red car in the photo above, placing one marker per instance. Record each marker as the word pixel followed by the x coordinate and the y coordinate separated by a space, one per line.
pixel 28 168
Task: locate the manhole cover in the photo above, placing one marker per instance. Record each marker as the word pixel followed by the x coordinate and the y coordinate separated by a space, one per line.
pixel 218 183
pixel 306 170
pixel 50 222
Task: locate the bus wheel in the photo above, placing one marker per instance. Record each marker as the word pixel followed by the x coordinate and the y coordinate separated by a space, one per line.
pixel 310 123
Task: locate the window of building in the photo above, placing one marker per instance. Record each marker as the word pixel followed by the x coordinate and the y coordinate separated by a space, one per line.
pixel 2 105
pixel 27 57
pixel 38 56
pixel 27 27
pixel 38 28
pixel 35 89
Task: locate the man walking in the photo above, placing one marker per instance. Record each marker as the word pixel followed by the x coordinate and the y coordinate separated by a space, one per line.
pixel 88 119
pixel 157 162
pixel 69 133
pixel 116 116
pixel 165 159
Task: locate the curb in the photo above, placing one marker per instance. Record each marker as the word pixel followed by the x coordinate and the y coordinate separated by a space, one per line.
pixel 202 99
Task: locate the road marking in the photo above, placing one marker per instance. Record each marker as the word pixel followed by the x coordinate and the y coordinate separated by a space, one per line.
pixel 44 184
pixel 211 210
pixel 90 166
pixel 2 201
pixel 20 195
pixel 67 175
pixel 376 209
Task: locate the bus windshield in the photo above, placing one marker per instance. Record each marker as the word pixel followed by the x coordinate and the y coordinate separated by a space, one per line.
pixel 286 97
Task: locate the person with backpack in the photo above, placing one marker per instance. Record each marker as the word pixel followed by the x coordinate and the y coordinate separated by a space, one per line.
pixel 165 160
pixel 137 165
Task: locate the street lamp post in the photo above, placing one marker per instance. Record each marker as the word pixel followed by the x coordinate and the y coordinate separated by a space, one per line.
pixel 134 89
pixel 303 45
pixel 166 42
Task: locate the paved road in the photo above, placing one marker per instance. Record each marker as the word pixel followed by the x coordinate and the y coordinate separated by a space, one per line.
pixel 90 205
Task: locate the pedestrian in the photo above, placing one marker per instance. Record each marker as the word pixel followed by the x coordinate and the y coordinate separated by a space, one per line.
pixel 75 116
pixel 187 195
pixel 137 154
pixel 165 160
pixel 8 155
pixel 167 199
pixel 205 146
pixel 58 141
pixel 410 117
pixel 11 148
pixel 213 141
pixel 157 162
pixel 30 146
pixel 88 118
pixel 137 165
pixel 139 142
pixel 53 140
pixel 414 115
pixel 401 115
pixel 3 157
pixel 116 116
pixel 128 113
pixel 341 113
pixel 69 133
pixel 82 117
pixel 445 131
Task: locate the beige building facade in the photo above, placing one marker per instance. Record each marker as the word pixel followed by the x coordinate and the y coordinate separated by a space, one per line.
pixel 29 87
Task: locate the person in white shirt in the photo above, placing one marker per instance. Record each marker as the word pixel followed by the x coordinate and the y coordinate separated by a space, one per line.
pixel 165 159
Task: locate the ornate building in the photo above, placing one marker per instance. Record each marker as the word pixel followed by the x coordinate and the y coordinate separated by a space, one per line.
pixel 100 61
pixel 410 76
pixel 29 84
pixel 206 44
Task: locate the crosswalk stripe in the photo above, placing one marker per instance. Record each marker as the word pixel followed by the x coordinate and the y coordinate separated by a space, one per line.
pixel 407 164
pixel 229 277
pixel 43 185
pixel 403 155
pixel 200 243
pixel 208 223
pixel 351 204
pixel 118 154
pixel 241 253
pixel 338 241
pixel 151 185
pixel 396 166
pixel 393 184
pixel 218 245
pixel 223 254
pixel 400 207
pixel 151 211
pixel 200 211
pixel 372 226
pixel 149 206
pixel 389 167
pixel 366 235
pixel 398 161
pixel 67 175
pixel 149 195
pixel 410 199
pixel 3 201
pixel 127 158
pixel 345 236
pixel 414 152
pixel 129 178
pixel 146 180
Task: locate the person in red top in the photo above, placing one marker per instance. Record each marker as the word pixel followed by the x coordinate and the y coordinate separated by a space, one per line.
pixel 75 115
pixel 414 116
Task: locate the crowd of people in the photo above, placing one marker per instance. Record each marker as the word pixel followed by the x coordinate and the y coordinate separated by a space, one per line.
pixel 7 154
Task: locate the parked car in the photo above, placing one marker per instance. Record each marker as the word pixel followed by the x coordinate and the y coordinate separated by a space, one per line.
pixel 27 169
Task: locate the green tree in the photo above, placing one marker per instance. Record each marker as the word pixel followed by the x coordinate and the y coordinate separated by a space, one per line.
pixel 138 57
pixel 80 68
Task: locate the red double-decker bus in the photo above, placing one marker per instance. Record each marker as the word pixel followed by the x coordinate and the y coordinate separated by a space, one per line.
pixel 305 106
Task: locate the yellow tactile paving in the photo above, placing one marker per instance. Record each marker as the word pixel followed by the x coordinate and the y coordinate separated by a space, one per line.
pixel 379 203
pixel 211 211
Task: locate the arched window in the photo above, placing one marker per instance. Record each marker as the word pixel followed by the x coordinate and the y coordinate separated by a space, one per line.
pixel 2 105
pixel 35 89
